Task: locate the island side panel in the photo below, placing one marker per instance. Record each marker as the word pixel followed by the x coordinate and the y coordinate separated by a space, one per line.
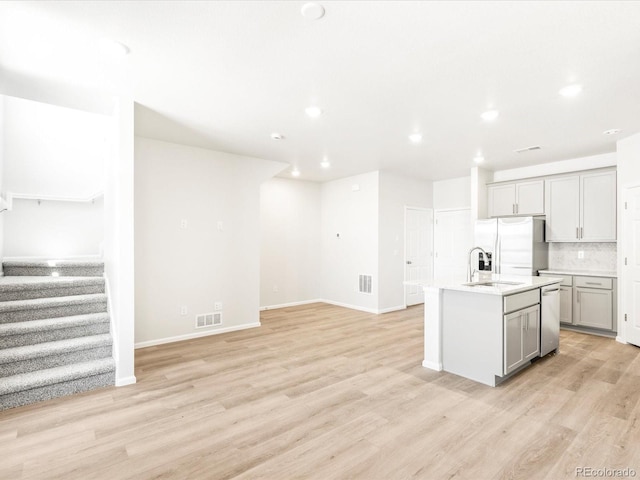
pixel 472 330
pixel 432 329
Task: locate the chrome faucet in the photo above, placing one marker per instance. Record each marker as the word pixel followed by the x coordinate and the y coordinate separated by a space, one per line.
pixel 471 271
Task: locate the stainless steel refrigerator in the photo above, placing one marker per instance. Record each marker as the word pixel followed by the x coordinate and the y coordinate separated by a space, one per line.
pixel 516 245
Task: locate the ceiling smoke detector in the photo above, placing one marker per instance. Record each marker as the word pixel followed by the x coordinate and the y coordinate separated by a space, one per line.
pixel 528 149
pixel 613 131
pixel 277 136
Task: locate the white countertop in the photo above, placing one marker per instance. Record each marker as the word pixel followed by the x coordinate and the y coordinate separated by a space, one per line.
pixel 522 284
pixel 583 273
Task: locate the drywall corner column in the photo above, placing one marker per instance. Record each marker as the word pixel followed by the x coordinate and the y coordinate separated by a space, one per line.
pixel 349 228
pixel 479 179
pixel 628 175
pixel 119 238
pixel 2 192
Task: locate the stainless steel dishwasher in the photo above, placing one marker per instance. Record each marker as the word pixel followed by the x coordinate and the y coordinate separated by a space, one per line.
pixel 549 319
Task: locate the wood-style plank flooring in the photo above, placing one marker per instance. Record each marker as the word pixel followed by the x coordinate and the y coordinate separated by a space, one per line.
pixel 323 392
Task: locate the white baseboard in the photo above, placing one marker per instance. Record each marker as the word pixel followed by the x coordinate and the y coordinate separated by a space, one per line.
pixel 291 304
pixel 432 365
pixel 121 382
pixel 189 336
pixel 619 339
pixel 352 307
pixel 375 311
pixel 392 309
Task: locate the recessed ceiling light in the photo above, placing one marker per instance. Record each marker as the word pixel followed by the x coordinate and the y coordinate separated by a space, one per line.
pixel 415 137
pixel 325 163
pixel 312 11
pixel 571 90
pixel 277 136
pixel 313 111
pixel 113 48
pixel 478 158
pixel 295 172
pixel 489 115
pixel 613 131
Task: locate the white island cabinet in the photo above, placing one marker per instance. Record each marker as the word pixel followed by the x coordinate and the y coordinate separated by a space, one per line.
pixel 485 331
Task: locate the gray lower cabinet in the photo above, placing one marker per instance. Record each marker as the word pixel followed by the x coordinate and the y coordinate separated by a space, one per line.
pixel 521 337
pixel 593 308
pixel 588 302
pixel 566 304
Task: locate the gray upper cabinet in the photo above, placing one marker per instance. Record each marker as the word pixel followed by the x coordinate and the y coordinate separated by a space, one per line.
pixel 519 198
pixel 581 208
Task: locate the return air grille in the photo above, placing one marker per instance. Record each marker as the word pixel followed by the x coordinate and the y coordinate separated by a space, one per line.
pixel 208 320
pixel 364 284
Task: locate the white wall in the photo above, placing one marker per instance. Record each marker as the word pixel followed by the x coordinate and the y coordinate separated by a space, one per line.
pixel 54 229
pixel 290 251
pixel 2 101
pixel 479 204
pixel 452 194
pixel 396 192
pixel 197 236
pixel 350 240
pixel 119 237
pixel 51 150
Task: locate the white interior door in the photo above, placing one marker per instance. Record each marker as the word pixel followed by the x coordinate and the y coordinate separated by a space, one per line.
pixel 631 277
pixel 452 239
pixel 418 251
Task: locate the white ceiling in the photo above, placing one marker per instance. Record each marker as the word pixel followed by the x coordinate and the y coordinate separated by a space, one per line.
pixel 224 75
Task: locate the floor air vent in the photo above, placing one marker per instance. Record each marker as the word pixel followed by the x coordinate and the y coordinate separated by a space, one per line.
pixel 364 285
pixel 208 320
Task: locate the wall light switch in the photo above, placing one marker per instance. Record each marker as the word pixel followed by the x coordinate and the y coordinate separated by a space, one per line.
pixel 220 226
pixel 580 254
pixel 183 223
pixel 217 306
pixel 184 310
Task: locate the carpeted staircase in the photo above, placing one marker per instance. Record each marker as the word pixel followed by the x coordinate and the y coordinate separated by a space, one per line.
pixel 54 331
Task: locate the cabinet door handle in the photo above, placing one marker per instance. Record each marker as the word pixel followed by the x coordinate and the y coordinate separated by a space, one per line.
pixel 577 232
pixel 581 232
pixel 513 208
pixel 517 208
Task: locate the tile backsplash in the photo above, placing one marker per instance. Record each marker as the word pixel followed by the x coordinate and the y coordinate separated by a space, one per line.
pixel 597 256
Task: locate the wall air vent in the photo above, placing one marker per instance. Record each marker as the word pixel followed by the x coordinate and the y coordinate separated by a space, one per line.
pixel 364 284
pixel 208 320
pixel 528 149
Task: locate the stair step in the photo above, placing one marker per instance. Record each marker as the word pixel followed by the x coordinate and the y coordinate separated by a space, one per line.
pixel 41 308
pixel 27 287
pixel 40 385
pixel 62 268
pixel 29 358
pixel 52 329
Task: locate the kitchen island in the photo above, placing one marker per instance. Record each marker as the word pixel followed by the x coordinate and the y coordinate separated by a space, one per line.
pixel 490 329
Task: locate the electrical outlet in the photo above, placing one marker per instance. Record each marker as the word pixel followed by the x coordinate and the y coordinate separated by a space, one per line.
pixel 580 254
pixel 184 310
pixel 217 306
pixel 275 288
pixel 183 223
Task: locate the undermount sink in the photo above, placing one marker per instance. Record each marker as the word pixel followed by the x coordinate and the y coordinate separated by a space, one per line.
pixel 491 284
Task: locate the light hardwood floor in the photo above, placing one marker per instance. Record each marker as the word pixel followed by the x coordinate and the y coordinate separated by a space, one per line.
pixel 324 392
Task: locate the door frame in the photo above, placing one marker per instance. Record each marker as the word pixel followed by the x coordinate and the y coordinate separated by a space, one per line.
pixel 623 275
pixel 429 211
